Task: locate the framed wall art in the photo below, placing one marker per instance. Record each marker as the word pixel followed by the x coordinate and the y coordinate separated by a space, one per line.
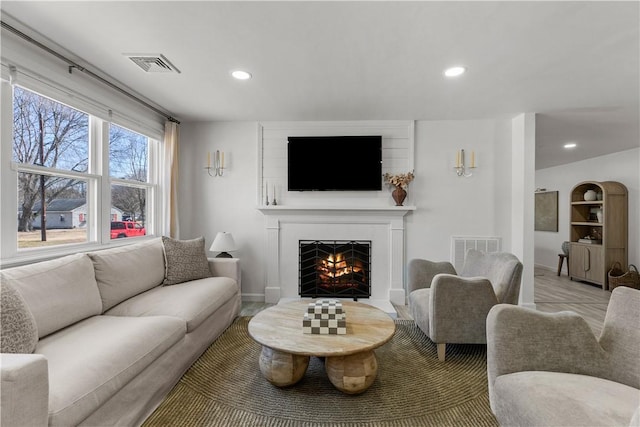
pixel 546 215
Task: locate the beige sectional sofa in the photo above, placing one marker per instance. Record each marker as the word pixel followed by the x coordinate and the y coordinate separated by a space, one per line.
pixel 111 340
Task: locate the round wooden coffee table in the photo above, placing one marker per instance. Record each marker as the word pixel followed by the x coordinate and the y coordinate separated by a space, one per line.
pixel 350 362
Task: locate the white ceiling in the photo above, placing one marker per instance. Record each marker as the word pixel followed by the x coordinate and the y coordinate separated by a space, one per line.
pixel 576 64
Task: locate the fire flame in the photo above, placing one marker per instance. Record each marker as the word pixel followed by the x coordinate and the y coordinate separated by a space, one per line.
pixel 333 268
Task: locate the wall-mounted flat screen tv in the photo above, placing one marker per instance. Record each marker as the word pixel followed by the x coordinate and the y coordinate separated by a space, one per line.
pixel 334 163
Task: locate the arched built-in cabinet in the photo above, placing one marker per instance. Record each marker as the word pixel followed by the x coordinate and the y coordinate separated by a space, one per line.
pixel 598 230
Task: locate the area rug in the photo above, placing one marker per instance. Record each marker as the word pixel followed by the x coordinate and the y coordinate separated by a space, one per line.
pixel 225 388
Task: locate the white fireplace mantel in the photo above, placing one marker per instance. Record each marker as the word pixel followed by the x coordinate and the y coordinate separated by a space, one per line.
pixel 271 209
pixel 287 224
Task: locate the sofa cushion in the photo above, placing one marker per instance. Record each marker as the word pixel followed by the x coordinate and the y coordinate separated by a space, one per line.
pixel 92 360
pixel 58 292
pixel 184 260
pixel 562 399
pixel 192 301
pixel 19 332
pixel 128 270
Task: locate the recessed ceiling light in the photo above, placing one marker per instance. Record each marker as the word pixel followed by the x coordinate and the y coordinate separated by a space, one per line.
pixel 454 71
pixel 570 145
pixel 241 75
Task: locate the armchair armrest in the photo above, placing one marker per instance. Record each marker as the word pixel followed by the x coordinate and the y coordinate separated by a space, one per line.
pixel 420 273
pixel 25 390
pixel 226 267
pixel 521 339
pixel 458 308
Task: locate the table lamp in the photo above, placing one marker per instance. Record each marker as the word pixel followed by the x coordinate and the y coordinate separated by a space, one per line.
pixel 223 243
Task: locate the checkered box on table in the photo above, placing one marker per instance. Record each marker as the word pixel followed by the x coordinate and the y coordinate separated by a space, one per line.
pixel 326 316
pixel 323 326
pixel 326 306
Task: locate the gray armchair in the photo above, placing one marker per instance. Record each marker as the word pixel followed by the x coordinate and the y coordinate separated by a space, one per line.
pixel 549 369
pixel 452 308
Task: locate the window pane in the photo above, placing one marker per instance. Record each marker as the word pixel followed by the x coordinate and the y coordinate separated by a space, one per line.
pixel 128 154
pixel 64 217
pixel 128 211
pixel 48 133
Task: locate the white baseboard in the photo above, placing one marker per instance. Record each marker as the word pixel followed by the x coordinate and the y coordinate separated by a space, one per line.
pixel 546 267
pixel 397 296
pixel 252 297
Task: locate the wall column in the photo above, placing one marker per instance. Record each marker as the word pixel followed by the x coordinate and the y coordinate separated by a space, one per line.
pixel 523 154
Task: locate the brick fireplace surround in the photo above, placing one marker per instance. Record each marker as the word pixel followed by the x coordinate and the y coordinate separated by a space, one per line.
pixel 285 226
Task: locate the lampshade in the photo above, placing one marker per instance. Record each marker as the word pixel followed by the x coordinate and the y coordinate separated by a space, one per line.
pixel 223 243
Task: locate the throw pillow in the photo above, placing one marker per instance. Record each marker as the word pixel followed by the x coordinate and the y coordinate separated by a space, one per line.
pixel 19 333
pixel 184 260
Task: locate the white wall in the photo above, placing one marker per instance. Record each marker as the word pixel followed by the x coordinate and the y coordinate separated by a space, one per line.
pixel 450 205
pixel 623 167
pixel 446 204
pixel 228 203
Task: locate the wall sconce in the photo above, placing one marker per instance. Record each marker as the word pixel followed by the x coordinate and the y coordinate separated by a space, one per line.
pixel 461 168
pixel 218 163
pixel 224 244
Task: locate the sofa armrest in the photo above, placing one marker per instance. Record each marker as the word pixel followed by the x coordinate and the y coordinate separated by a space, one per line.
pixel 521 339
pixel 458 308
pixel 25 390
pixel 226 267
pixel 420 273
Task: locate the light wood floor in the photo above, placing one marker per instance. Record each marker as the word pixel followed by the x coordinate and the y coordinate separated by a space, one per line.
pixel 551 294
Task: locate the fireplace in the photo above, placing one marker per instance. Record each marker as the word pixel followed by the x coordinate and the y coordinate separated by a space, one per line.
pixel 335 268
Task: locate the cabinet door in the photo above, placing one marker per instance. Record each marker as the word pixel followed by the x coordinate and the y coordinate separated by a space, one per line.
pixel 586 263
pixel 595 273
pixel 578 259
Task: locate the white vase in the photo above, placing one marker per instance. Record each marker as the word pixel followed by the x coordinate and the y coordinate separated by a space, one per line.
pixel 590 195
pixel 599 215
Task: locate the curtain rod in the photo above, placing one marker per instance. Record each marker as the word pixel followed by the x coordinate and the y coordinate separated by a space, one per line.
pixel 90 73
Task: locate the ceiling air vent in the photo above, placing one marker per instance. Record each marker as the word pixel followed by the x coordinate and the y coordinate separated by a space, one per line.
pixel 153 63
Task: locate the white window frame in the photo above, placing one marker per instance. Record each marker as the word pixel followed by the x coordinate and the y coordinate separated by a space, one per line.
pixel 97 178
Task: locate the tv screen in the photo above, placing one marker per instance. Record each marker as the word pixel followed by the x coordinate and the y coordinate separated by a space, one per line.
pixel 334 163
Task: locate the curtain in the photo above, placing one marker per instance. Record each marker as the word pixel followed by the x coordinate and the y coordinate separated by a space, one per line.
pixel 170 180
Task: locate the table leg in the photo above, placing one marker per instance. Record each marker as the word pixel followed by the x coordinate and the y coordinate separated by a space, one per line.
pixel 282 369
pixel 560 261
pixel 352 374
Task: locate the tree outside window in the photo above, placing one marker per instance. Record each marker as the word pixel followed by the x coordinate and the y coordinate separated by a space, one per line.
pixel 52 153
pixel 49 134
pixel 128 167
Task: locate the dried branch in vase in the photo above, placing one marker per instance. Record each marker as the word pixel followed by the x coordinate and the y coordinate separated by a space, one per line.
pixel 401 180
